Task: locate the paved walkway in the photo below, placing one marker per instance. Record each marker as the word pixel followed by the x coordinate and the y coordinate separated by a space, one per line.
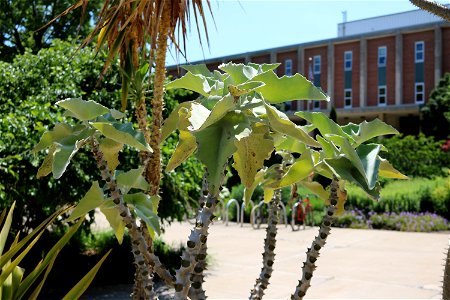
pixel 355 263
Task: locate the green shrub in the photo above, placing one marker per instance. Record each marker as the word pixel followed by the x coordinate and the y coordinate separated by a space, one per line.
pixel 419 156
pixel 415 195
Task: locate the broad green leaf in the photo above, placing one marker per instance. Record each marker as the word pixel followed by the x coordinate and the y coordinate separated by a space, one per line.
pixel 287 88
pixel 133 179
pixel 6 227
pixel 251 153
pixel 32 277
pixel 155 199
pixel 316 188
pixel 222 107
pixel 196 83
pixel 187 145
pixel 110 149
pixel 123 133
pixel 287 143
pixel 216 146
pixel 388 171
pixel 367 130
pixel 93 199
pixel 116 114
pixel 171 123
pixel 368 154
pixel 82 109
pixel 321 122
pixel 198 69
pixel 47 164
pixel 248 192
pixel 343 168
pixel 240 73
pixel 281 123
pixel 83 284
pixel 268 194
pixel 264 67
pixel 114 219
pixel 143 207
pixel 63 153
pixel 342 198
pixel 329 150
pixel 9 287
pixel 298 171
pixel 59 132
pixel 244 88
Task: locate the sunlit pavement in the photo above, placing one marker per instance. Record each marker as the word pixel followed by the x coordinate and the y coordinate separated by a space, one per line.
pixel 354 264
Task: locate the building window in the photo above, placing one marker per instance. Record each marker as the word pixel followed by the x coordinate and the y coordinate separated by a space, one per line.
pixel 419 51
pixel 316 105
pixel 348 55
pixel 382 53
pixel 382 95
pixel 288 67
pixel 316 64
pixel 419 92
pixel 348 98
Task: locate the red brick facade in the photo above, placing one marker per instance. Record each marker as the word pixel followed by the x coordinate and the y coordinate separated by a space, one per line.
pixel 260 59
pixel 282 57
pixel 310 53
pixel 339 73
pixel 445 50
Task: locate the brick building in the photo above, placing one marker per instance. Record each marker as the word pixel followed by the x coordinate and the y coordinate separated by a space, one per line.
pixel 383 67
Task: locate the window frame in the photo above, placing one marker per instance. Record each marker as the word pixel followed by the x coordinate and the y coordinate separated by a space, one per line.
pixel 416 52
pixel 317 62
pixel 348 60
pixel 286 63
pixel 346 98
pixel 380 56
pixel 416 84
pixel 380 95
pixel 318 104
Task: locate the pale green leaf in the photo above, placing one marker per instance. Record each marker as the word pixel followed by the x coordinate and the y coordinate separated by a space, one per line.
pixel 368 154
pixel 264 67
pixel 6 227
pixel 110 149
pixel 368 130
pixel 268 194
pixel 198 69
pixel 244 88
pixel 196 83
pixel 116 114
pixel 111 213
pixel 59 132
pixel 38 288
pixel 93 199
pixel 222 107
pixel 316 188
pixel 11 284
pixel 82 109
pixel 251 153
pixel 388 171
pixel 143 207
pixel 329 150
pixel 171 123
pixel 133 179
pixel 281 123
pixel 287 143
pixel 324 124
pixel 239 73
pixel 298 171
pixel 248 192
pixel 187 144
pixel 83 284
pixel 47 165
pixel 123 133
pixel 216 146
pixel 287 88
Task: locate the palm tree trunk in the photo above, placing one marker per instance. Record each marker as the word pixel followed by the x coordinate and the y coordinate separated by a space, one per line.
pixel 153 171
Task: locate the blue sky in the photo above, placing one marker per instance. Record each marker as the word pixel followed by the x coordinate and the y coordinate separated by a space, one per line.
pixel 249 25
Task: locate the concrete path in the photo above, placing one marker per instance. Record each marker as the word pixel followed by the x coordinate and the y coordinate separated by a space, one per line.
pixel 354 264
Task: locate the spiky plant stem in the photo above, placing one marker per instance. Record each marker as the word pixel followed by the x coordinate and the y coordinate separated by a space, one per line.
pixel 433 7
pixel 139 245
pixel 153 172
pixel 192 256
pixel 141 116
pixel 196 290
pixel 446 282
pixel 313 253
pixel 269 246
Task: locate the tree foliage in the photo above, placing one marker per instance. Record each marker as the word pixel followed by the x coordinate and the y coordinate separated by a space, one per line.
pixel 21 21
pixel 436 113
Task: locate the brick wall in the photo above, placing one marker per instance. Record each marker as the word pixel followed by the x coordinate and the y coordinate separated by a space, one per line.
pixel 445 50
pixel 261 59
pixel 339 50
pixel 282 57
pixel 311 52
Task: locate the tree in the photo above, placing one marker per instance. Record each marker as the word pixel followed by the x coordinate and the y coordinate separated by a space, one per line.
pixel 436 113
pixel 23 24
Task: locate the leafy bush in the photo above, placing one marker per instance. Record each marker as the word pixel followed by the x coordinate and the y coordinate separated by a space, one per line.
pixel 419 156
pixel 423 222
pixel 415 195
pixel 351 219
